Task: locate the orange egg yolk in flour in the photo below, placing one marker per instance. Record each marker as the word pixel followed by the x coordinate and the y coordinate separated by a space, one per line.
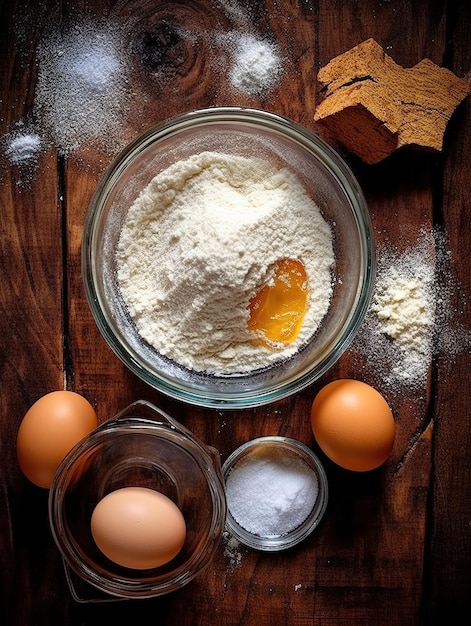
pixel 277 310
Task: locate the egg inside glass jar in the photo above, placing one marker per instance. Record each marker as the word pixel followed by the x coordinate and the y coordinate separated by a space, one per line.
pixel 138 528
pixel 353 425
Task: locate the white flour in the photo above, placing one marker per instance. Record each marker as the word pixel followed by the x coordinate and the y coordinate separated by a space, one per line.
pixel 405 308
pixel 85 86
pixel 410 319
pixel 198 244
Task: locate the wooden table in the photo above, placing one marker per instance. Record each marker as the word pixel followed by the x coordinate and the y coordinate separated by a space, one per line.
pixel 394 548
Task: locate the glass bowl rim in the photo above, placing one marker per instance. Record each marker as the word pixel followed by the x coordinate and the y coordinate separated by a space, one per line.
pixel 331 160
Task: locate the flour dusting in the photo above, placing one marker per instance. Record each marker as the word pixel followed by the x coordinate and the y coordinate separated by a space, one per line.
pixel 410 318
pixel 405 309
pixel 255 64
pixel 86 83
pixel 23 148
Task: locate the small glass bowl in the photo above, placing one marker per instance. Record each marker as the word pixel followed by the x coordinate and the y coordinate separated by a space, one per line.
pixel 248 133
pixel 142 447
pixel 292 448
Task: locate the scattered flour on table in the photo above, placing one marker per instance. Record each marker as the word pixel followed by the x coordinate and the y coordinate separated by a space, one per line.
pixel 83 90
pixel 237 12
pixel 201 240
pixel 405 309
pixel 233 550
pixel 80 93
pixel 254 64
pixel 23 148
pixel 409 320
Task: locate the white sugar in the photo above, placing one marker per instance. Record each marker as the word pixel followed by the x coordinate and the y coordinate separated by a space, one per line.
pixel 271 494
pixel 254 65
pixel 23 148
pixel 81 88
pixel 232 550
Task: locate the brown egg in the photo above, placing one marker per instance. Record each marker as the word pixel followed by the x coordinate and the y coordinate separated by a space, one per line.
pixel 49 430
pixel 353 424
pixel 137 527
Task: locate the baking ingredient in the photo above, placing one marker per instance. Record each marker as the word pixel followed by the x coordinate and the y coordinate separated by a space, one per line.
pixel 411 317
pixel 277 310
pixel 200 242
pixel 23 148
pixel 137 527
pixel 256 65
pixel 49 430
pixel 238 12
pixel 404 307
pixel 81 92
pixel 85 84
pixel 353 424
pixel 271 491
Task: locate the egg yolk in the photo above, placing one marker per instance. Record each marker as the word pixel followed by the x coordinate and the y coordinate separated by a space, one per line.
pixel 277 310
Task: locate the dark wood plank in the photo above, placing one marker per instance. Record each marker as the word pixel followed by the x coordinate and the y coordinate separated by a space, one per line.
pixel 31 314
pixel 385 524
pixel 448 563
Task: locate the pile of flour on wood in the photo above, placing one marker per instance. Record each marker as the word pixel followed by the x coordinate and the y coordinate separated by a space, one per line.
pixel 411 318
pixel 199 242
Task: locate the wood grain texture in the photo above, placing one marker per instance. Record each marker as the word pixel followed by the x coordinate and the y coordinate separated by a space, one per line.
pixel 448 565
pixel 394 547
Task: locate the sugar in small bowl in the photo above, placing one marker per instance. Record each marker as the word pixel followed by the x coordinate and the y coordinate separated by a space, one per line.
pixel 276 491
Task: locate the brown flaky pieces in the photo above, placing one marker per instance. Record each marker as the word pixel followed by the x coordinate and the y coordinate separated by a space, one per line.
pixel 373 106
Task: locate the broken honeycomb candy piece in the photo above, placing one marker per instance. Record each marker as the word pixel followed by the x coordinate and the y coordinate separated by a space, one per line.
pixel 373 106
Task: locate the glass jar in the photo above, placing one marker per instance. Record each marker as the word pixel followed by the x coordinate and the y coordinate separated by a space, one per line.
pixel 144 447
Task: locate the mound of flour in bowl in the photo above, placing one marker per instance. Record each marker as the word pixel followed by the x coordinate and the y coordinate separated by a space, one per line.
pixel 200 241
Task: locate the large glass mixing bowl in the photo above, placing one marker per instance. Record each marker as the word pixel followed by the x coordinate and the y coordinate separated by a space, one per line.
pixel 328 181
